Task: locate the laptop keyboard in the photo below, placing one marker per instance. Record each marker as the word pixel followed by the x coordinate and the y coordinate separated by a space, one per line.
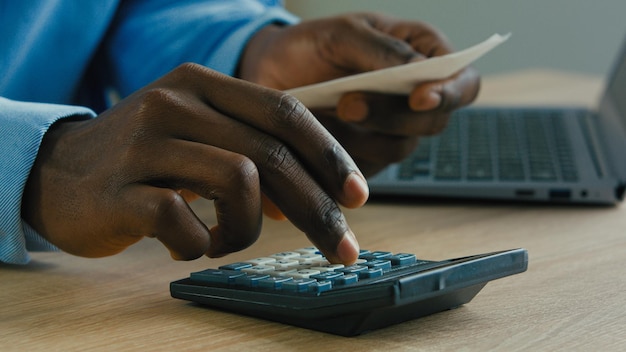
pixel 495 145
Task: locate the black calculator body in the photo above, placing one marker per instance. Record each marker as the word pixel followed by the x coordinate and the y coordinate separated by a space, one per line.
pixel 381 289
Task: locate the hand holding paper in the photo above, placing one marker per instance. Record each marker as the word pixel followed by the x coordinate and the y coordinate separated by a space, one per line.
pixel 394 80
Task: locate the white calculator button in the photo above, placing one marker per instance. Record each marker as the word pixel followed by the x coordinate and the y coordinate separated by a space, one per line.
pixel 283 272
pixel 320 262
pixel 259 269
pixel 285 255
pixel 307 250
pixel 260 261
pixel 304 274
pixel 309 258
pixel 328 267
pixel 283 263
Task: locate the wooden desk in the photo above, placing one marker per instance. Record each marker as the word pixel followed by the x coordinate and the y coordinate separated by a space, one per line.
pixel 573 297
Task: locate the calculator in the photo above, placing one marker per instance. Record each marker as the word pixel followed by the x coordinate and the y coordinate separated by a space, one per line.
pixel 382 288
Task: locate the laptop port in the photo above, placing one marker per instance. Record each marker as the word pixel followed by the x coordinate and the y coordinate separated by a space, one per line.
pixel 560 194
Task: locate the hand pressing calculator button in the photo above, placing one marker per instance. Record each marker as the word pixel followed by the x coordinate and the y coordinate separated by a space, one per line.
pixel 382 288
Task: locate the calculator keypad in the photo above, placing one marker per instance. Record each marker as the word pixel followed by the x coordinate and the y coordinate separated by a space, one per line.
pixel 304 270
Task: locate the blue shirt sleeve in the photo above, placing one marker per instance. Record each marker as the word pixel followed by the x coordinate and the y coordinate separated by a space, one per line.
pixel 23 126
pixel 150 38
pixel 146 39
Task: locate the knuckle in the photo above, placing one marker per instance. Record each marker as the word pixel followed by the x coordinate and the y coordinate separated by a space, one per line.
pixel 163 209
pixel 188 69
pixel 288 112
pixel 244 175
pixel 158 96
pixel 165 206
pixel 158 103
pixel 334 156
pixel 190 77
pixel 154 104
pixel 278 158
pixel 327 217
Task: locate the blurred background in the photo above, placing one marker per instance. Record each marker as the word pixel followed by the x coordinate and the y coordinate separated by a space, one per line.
pixel 572 35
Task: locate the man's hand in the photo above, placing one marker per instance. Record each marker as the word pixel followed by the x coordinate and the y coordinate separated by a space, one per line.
pixel 376 129
pixel 100 185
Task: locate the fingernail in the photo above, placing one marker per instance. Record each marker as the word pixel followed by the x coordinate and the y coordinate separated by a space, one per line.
pixel 348 249
pixel 356 190
pixel 355 110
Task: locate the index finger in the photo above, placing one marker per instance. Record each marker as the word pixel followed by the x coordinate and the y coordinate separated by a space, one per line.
pixel 302 166
pixel 283 117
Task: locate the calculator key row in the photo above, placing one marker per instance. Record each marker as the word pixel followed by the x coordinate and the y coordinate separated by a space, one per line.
pixel 284 283
pixel 310 258
pixel 316 283
pixel 304 258
pixel 399 259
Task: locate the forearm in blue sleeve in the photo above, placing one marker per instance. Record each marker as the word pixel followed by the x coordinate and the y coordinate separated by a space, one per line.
pixel 23 126
pixel 150 38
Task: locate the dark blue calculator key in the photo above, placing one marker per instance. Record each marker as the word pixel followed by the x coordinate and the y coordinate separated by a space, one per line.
pixel 321 286
pixel 300 285
pixel 402 259
pixel 274 282
pixel 363 252
pixel 353 269
pixel 216 276
pixel 327 275
pixel 371 273
pixel 376 255
pixel 235 266
pixel 346 279
pixel 378 263
pixel 250 280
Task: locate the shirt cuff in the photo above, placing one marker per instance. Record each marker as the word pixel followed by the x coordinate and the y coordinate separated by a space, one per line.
pixel 23 126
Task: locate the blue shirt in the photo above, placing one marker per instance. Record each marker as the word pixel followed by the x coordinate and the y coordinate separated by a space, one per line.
pixel 55 54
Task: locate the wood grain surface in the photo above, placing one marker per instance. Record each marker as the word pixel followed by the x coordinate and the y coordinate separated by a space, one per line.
pixel 573 296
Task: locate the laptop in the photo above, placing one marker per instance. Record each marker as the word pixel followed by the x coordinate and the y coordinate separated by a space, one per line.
pixel 540 154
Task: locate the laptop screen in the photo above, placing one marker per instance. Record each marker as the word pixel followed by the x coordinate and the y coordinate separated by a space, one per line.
pixel 616 90
pixel 613 116
pixel 617 87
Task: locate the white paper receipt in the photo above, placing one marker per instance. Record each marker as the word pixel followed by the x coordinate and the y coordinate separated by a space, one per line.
pixel 394 80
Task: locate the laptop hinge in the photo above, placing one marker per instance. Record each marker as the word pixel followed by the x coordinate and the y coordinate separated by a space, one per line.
pixel 610 129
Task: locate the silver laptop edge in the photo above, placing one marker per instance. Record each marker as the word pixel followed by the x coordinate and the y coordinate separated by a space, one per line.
pixel 612 115
pixel 606 131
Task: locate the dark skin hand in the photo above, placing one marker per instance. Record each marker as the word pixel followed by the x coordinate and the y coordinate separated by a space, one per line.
pixel 100 185
pixel 376 129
